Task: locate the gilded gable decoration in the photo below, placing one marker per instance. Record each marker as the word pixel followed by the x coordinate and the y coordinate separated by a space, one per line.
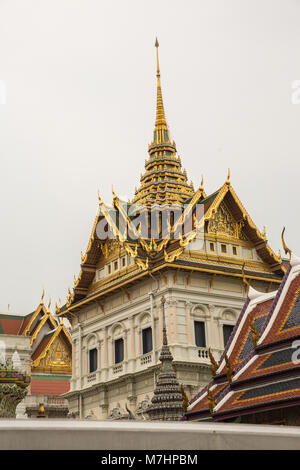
pixel 56 357
pixel 223 223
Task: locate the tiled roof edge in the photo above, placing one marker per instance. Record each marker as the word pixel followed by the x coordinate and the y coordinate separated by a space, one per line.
pixel 276 299
pixel 241 316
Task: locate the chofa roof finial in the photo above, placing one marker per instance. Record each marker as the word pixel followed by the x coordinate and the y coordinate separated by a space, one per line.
pixel 286 249
pixel 42 298
pixel 228 177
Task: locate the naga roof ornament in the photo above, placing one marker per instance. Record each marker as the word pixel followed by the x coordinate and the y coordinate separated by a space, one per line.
pixel 286 249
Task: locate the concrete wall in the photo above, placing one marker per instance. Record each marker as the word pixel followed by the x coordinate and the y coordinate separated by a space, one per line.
pixel 47 434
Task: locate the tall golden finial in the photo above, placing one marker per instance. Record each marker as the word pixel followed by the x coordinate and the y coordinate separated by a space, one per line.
pixel 157 61
pixel 48 309
pixel 160 123
pixel 8 308
pixel 286 249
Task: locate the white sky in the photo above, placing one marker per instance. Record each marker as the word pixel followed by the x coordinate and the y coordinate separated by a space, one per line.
pixel 80 110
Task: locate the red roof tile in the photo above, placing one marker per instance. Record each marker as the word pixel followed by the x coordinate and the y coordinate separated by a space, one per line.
pixel 10 326
pixel 49 387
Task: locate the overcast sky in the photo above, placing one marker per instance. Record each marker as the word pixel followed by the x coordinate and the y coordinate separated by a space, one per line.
pixel 80 110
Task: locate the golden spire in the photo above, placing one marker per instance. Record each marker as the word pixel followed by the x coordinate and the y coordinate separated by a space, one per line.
pixel 160 136
pixel 156 184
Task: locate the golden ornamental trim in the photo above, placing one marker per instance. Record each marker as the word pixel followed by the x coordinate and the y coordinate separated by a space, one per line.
pixel 172 256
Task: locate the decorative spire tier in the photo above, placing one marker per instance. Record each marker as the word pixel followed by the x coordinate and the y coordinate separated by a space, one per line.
pixel 164 182
pixel 166 404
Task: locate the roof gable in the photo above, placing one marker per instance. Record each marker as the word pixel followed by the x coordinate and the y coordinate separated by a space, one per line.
pixel 226 200
pixel 223 213
pixel 54 353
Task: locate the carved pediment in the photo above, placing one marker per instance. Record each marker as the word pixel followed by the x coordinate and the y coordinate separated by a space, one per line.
pixel 58 357
pixel 109 247
pixel 223 223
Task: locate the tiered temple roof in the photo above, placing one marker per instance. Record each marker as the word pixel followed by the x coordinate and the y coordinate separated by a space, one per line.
pixel 259 370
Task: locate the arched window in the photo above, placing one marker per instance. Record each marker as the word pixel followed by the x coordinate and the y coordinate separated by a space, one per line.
pixel 200 315
pixel 228 322
pixel 119 350
pixel 118 338
pixel 93 360
pixel 200 337
pixel 227 330
pixel 91 343
pixel 147 340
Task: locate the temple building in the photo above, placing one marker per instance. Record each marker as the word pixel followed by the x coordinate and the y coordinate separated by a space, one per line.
pixel 45 351
pixel 170 241
pixel 257 379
